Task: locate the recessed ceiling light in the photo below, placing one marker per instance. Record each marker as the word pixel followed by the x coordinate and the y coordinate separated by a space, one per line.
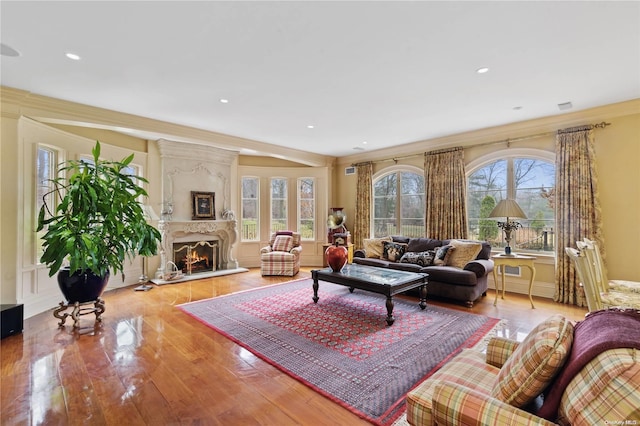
pixel 482 70
pixel 564 106
pixel 364 142
pixel 517 108
pixel 72 56
pixel 224 101
pixel 310 126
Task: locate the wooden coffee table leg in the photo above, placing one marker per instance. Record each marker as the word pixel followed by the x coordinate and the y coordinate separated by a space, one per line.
pixel 315 290
pixel 390 318
pixel 423 296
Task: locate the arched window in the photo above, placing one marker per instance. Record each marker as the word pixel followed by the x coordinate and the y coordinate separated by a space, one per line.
pixel 526 176
pixel 398 202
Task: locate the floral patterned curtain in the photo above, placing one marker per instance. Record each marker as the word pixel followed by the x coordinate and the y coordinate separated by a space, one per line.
pixel 445 194
pixel 362 223
pixel 578 213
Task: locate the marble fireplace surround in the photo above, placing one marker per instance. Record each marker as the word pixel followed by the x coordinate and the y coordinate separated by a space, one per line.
pixel 224 231
pixel 189 167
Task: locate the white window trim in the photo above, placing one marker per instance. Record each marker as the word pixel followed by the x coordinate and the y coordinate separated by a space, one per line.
pixel 381 173
pixel 532 153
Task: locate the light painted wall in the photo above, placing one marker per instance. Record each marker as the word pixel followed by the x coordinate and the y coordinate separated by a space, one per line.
pixel 618 158
pixel 618 164
pixel 617 151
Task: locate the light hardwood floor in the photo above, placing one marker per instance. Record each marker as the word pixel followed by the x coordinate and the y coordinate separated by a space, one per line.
pixel 150 364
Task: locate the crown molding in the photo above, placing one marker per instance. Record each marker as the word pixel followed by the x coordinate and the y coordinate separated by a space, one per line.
pixel 45 109
pixel 501 133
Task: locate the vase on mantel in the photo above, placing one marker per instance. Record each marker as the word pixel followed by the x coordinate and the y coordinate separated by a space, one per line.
pixel 337 257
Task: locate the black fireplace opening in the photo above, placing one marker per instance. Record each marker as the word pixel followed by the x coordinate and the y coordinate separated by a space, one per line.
pixel 196 257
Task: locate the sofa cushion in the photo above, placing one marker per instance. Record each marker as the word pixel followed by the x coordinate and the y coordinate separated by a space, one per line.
pixel 372 261
pixel 373 246
pixel 465 252
pixel 400 239
pixel 467 369
pixel 450 275
pixel 485 251
pixel 283 243
pixel 422 258
pixel 536 361
pixel 409 267
pixel 393 251
pixel 423 244
pixel 442 255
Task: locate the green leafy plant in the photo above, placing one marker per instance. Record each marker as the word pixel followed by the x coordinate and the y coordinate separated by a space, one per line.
pixel 97 221
pixel 488 228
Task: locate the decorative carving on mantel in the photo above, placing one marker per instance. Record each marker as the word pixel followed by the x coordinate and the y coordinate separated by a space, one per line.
pixel 190 167
pixel 225 231
pixel 199 167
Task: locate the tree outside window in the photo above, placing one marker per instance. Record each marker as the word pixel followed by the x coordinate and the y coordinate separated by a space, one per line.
pixel 278 204
pixel 398 204
pixel 531 183
pixel 46 166
pixel 307 208
pixel 250 209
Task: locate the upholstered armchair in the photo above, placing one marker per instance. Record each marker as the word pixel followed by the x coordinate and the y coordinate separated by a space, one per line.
pixel 282 255
pixel 562 373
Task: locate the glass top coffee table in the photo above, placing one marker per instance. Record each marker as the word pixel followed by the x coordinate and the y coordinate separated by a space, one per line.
pixel 388 282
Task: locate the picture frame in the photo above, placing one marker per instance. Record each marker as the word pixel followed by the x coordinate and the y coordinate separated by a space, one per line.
pixel 204 205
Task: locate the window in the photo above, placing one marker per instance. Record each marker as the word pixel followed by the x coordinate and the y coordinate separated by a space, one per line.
pixel 531 182
pixel 278 204
pixel 46 168
pixel 398 204
pixel 307 208
pixel 250 209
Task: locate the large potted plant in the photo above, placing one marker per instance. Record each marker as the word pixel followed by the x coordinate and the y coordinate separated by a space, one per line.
pixel 95 223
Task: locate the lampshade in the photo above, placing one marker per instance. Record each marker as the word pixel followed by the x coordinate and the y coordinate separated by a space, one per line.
pixel 507 208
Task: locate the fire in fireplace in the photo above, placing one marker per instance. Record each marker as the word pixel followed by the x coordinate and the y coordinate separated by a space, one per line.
pixel 196 257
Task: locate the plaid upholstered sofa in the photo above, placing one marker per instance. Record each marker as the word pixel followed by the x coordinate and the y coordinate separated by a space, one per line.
pixel 282 255
pixel 561 373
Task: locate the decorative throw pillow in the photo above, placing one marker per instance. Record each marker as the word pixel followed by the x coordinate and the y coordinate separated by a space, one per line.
pixel 393 251
pixel 422 258
pixel 536 361
pixel 373 246
pixel 465 252
pixel 283 243
pixel 442 255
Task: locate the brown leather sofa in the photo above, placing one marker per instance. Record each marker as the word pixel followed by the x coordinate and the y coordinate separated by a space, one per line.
pixel 464 284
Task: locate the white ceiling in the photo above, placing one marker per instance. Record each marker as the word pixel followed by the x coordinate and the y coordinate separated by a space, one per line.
pixel 383 72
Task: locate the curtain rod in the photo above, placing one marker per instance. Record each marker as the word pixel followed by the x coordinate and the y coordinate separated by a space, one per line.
pixel 508 141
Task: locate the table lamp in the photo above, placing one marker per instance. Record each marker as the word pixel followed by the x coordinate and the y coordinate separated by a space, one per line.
pixel 509 209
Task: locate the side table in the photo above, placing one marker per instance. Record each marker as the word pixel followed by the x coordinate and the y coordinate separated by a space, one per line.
pixel 349 253
pixel 502 260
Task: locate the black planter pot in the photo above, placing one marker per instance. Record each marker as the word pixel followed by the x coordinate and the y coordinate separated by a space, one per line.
pixel 81 286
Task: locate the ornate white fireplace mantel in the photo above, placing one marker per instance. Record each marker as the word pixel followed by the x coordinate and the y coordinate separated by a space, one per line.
pixel 194 231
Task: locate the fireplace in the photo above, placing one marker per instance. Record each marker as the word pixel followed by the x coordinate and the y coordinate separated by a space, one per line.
pixel 188 168
pixel 203 245
pixel 196 257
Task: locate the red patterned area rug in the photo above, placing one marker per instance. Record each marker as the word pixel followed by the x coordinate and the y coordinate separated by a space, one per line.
pixel 342 346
